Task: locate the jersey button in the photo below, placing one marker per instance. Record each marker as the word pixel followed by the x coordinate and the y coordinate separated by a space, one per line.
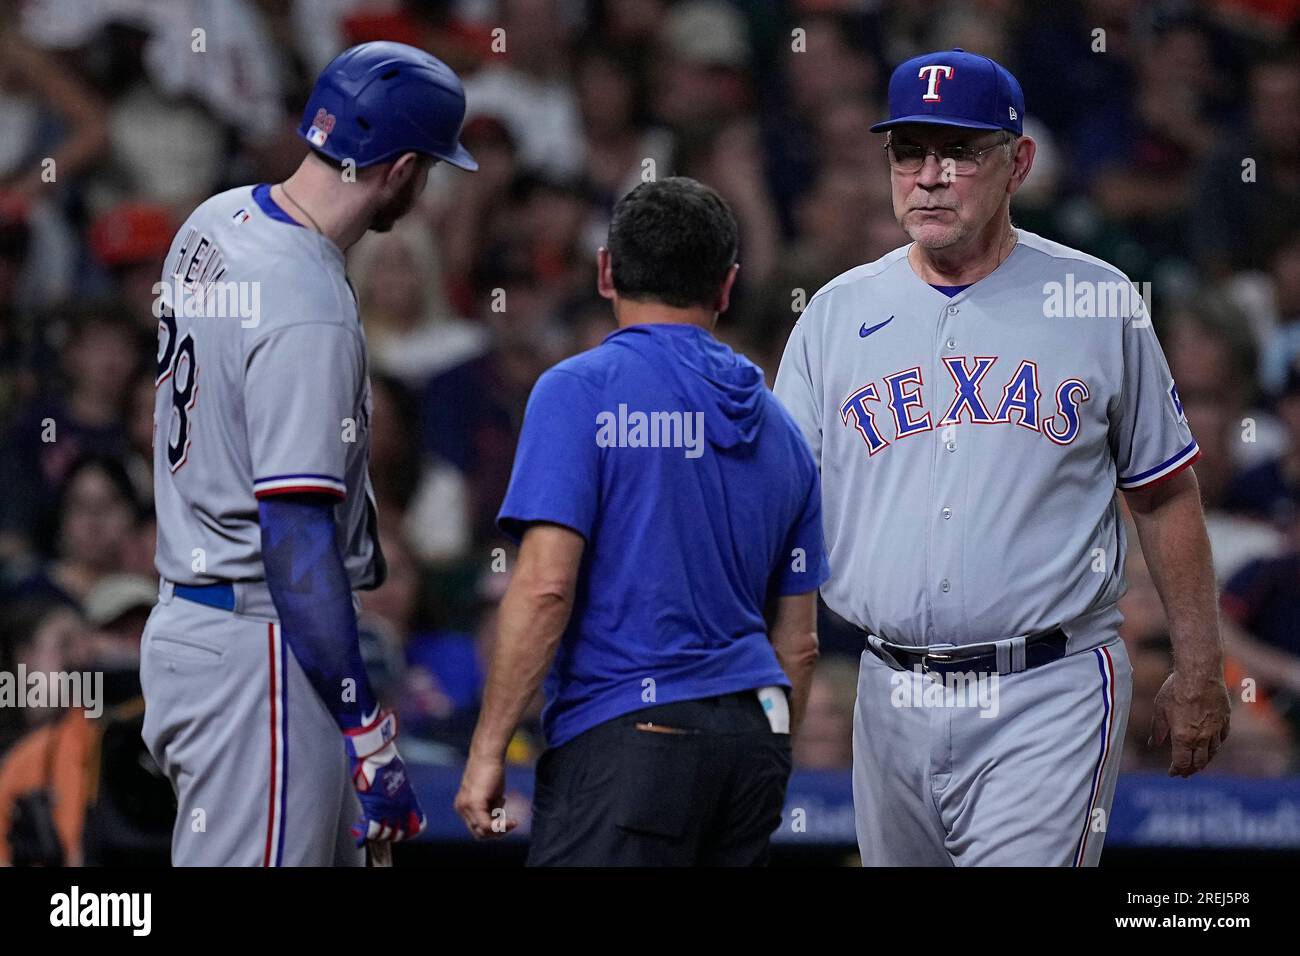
pixel 951 446
pixel 951 343
pixel 944 586
pixel 953 310
pixel 947 513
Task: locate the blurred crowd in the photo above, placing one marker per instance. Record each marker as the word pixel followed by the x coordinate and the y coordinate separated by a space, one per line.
pixel 1169 144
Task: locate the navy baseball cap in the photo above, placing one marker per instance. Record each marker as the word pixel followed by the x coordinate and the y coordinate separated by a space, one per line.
pixel 954 88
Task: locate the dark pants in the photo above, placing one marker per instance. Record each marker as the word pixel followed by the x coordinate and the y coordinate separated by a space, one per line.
pixel 694 783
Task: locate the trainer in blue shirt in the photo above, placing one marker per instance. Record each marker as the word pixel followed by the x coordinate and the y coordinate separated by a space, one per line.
pixel 669 517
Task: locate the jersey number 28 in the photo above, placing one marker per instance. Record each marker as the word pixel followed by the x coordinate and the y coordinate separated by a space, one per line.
pixel 176 362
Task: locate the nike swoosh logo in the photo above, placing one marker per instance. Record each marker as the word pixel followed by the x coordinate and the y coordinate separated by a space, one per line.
pixel 864 331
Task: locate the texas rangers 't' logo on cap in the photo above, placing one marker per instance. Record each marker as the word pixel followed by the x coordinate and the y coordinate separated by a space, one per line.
pixel 931 73
pixel 954 88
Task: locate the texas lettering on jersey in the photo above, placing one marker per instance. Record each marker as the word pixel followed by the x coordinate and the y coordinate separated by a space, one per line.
pixel 901 394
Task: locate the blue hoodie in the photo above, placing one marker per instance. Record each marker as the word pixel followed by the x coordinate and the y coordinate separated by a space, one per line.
pixel 698 499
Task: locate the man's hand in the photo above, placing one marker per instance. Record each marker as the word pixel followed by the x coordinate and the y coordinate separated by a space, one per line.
pixel 481 799
pixel 1194 715
pixel 1192 706
pixel 531 622
pixel 389 809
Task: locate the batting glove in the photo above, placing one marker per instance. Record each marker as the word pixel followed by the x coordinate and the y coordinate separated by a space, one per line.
pixel 389 810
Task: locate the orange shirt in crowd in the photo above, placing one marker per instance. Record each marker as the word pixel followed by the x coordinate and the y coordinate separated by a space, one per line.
pixel 55 757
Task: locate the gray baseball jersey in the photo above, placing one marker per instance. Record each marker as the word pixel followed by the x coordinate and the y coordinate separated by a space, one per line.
pixel 970 447
pixel 270 395
pixel 262 389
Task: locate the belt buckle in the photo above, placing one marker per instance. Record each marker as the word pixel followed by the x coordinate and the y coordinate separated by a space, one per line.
pixel 943 655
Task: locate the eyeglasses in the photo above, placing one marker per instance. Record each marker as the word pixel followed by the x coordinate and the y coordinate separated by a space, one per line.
pixel 962 159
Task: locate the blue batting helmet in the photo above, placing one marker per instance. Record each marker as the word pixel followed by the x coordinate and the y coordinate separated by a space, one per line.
pixel 378 100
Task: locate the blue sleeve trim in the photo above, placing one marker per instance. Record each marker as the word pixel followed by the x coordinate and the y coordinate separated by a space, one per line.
pixel 1161 469
pixel 303 474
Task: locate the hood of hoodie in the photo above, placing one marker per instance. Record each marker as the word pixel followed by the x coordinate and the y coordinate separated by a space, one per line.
pixel 704 375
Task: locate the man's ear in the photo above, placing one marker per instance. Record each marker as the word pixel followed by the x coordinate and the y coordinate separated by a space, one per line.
pixel 1022 160
pixel 604 274
pixel 402 169
pixel 724 294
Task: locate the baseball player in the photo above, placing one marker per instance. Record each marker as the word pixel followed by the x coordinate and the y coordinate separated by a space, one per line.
pixel 258 708
pixel 973 411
